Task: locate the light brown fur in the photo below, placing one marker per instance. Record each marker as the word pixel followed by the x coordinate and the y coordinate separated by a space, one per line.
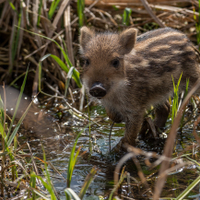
pixel 132 74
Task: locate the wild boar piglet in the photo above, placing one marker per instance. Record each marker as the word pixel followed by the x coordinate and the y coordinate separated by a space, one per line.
pixel 127 74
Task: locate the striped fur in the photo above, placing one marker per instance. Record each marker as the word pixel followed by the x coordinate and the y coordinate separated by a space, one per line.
pixel 144 74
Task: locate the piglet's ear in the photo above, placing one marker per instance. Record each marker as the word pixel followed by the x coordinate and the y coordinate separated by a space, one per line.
pixel 85 37
pixel 127 40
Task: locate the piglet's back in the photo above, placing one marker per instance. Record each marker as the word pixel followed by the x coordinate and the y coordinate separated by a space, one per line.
pixel 158 56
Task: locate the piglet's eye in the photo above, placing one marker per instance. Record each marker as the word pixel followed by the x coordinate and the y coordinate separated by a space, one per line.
pixel 87 62
pixel 115 63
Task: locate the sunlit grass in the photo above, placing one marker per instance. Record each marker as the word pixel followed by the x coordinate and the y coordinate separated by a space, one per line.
pixel 72 161
pixel 126 16
pixel 175 103
pixel 53 7
pixel 66 66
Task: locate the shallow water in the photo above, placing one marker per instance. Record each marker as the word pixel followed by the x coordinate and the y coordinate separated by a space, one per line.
pixel 56 131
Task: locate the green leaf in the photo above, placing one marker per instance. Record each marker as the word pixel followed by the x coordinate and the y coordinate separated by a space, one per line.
pixel 81 7
pixel 87 182
pixel 47 185
pixel 69 76
pixel 72 161
pixel 189 188
pixel 70 193
pixel 17 106
pixel 18 125
pixel 12 6
pixel 53 7
pixel 126 16
pixel 75 74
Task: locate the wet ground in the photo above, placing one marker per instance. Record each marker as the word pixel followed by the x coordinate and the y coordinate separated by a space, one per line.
pixel 58 140
pixel 55 127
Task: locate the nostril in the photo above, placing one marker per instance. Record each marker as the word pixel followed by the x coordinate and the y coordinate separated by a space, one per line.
pixel 97 90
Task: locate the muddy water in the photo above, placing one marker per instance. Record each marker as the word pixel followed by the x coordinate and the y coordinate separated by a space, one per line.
pixel 55 129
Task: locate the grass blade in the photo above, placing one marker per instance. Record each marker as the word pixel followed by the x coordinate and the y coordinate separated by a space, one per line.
pixel 80 7
pixel 75 73
pixel 16 38
pixel 72 161
pixel 175 98
pixel 47 185
pixel 18 125
pixel 39 12
pixel 87 182
pixel 188 189
pixel 18 102
pixel 126 16
pixel 52 9
pixel 69 76
pixel 33 184
pixel 47 182
pixel 70 193
pixel 12 6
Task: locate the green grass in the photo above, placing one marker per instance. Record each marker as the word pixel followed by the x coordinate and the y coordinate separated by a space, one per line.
pixel 39 12
pixel 126 16
pixel 9 137
pixel 66 66
pixel 53 7
pixel 185 94
pixel 176 100
pixel 190 187
pixel 15 36
pixel 175 103
pixel 46 181
pixel 8 134
pixel 35 191
pixel 12 6
pixel 80 10
pixel 72 161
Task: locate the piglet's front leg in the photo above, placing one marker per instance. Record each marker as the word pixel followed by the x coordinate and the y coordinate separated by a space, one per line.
pixel 132 129
pixel 114 116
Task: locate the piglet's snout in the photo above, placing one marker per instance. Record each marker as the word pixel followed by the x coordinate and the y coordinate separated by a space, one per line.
pixel 97 90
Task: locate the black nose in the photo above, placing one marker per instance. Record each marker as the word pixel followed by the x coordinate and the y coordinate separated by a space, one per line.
pixel 97 90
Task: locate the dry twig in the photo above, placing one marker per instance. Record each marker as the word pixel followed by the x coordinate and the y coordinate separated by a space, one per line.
pixel 169 145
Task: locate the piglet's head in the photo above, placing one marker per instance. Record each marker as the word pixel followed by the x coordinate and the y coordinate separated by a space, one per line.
pixel 103 55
